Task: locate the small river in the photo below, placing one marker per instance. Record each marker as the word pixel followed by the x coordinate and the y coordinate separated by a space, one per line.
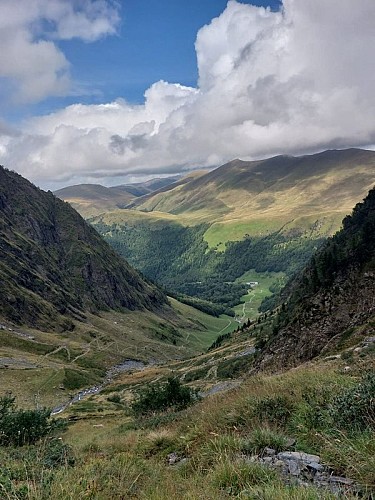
pixel 126 366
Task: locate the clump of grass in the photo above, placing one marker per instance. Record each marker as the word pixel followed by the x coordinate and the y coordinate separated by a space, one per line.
pixel 217 449
pixel 235 477
pixel 114 398
pixel 160 443
pixel 275 409
pixel 354 408
pixel 263 438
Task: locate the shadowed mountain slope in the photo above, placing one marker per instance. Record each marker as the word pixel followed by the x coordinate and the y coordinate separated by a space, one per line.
pixel 146 187
pixel 333 301
pixel 54 266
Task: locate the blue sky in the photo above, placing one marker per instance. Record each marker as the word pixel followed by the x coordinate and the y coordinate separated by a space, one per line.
pixel 154 41
pixel 108 92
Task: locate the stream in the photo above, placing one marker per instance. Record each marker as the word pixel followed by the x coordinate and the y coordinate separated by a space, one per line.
pixel 127 365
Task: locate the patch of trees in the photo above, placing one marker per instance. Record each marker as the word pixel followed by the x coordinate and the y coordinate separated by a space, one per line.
pixel 159 397
pixel 203 305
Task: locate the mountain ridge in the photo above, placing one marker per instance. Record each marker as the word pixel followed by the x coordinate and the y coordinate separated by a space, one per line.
pixel 54 265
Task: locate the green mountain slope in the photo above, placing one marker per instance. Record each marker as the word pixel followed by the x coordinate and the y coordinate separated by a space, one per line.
pixel 268 215
pixel 54 265
pixel 332 303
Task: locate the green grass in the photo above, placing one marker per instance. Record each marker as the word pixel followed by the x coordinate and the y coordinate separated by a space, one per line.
pixel 107 455
pixel 220 232
pixel 213 327
pixel 101 342
pixel 252 300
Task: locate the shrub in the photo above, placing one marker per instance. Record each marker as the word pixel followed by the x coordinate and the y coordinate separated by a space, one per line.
pixel 57 454
pixel 115 398
pixel 159 397
pixel 19 427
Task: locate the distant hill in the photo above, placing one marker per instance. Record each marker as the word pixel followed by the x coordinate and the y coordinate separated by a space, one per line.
pixel 146 187
pixel 54 266
pixel 93 199
pixel 332 303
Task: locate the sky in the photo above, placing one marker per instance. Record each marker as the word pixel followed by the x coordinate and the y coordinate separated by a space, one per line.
pixel 106 91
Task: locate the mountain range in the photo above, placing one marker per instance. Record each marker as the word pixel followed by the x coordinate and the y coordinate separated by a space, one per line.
pixel 268 215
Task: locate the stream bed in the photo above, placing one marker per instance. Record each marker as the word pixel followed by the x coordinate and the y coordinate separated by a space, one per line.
pixel 125 366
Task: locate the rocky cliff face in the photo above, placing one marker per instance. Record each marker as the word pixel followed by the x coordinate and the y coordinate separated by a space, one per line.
pixel 54 265
pixel 333 299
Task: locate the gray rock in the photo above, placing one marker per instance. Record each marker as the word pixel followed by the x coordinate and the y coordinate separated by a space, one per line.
pixel 298 455
pixel 315 467
pixel 267 460
pixel 270 452
pixel 293 467
pixel 172 458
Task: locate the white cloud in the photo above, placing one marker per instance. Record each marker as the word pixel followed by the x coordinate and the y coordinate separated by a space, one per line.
pixel 293 81
pixel 31 63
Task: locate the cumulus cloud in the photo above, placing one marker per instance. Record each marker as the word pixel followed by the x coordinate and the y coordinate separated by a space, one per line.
pixel 298 80
pixel 31 63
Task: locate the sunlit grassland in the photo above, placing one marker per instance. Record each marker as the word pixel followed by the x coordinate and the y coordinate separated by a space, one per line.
pixel 213 326
pixel 235 230
pixel 253 299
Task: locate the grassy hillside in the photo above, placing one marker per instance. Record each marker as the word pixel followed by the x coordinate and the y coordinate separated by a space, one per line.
pixel 94 199
pixel 268 215
pixel 229 445
pixel 46 367
pixel 278 189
